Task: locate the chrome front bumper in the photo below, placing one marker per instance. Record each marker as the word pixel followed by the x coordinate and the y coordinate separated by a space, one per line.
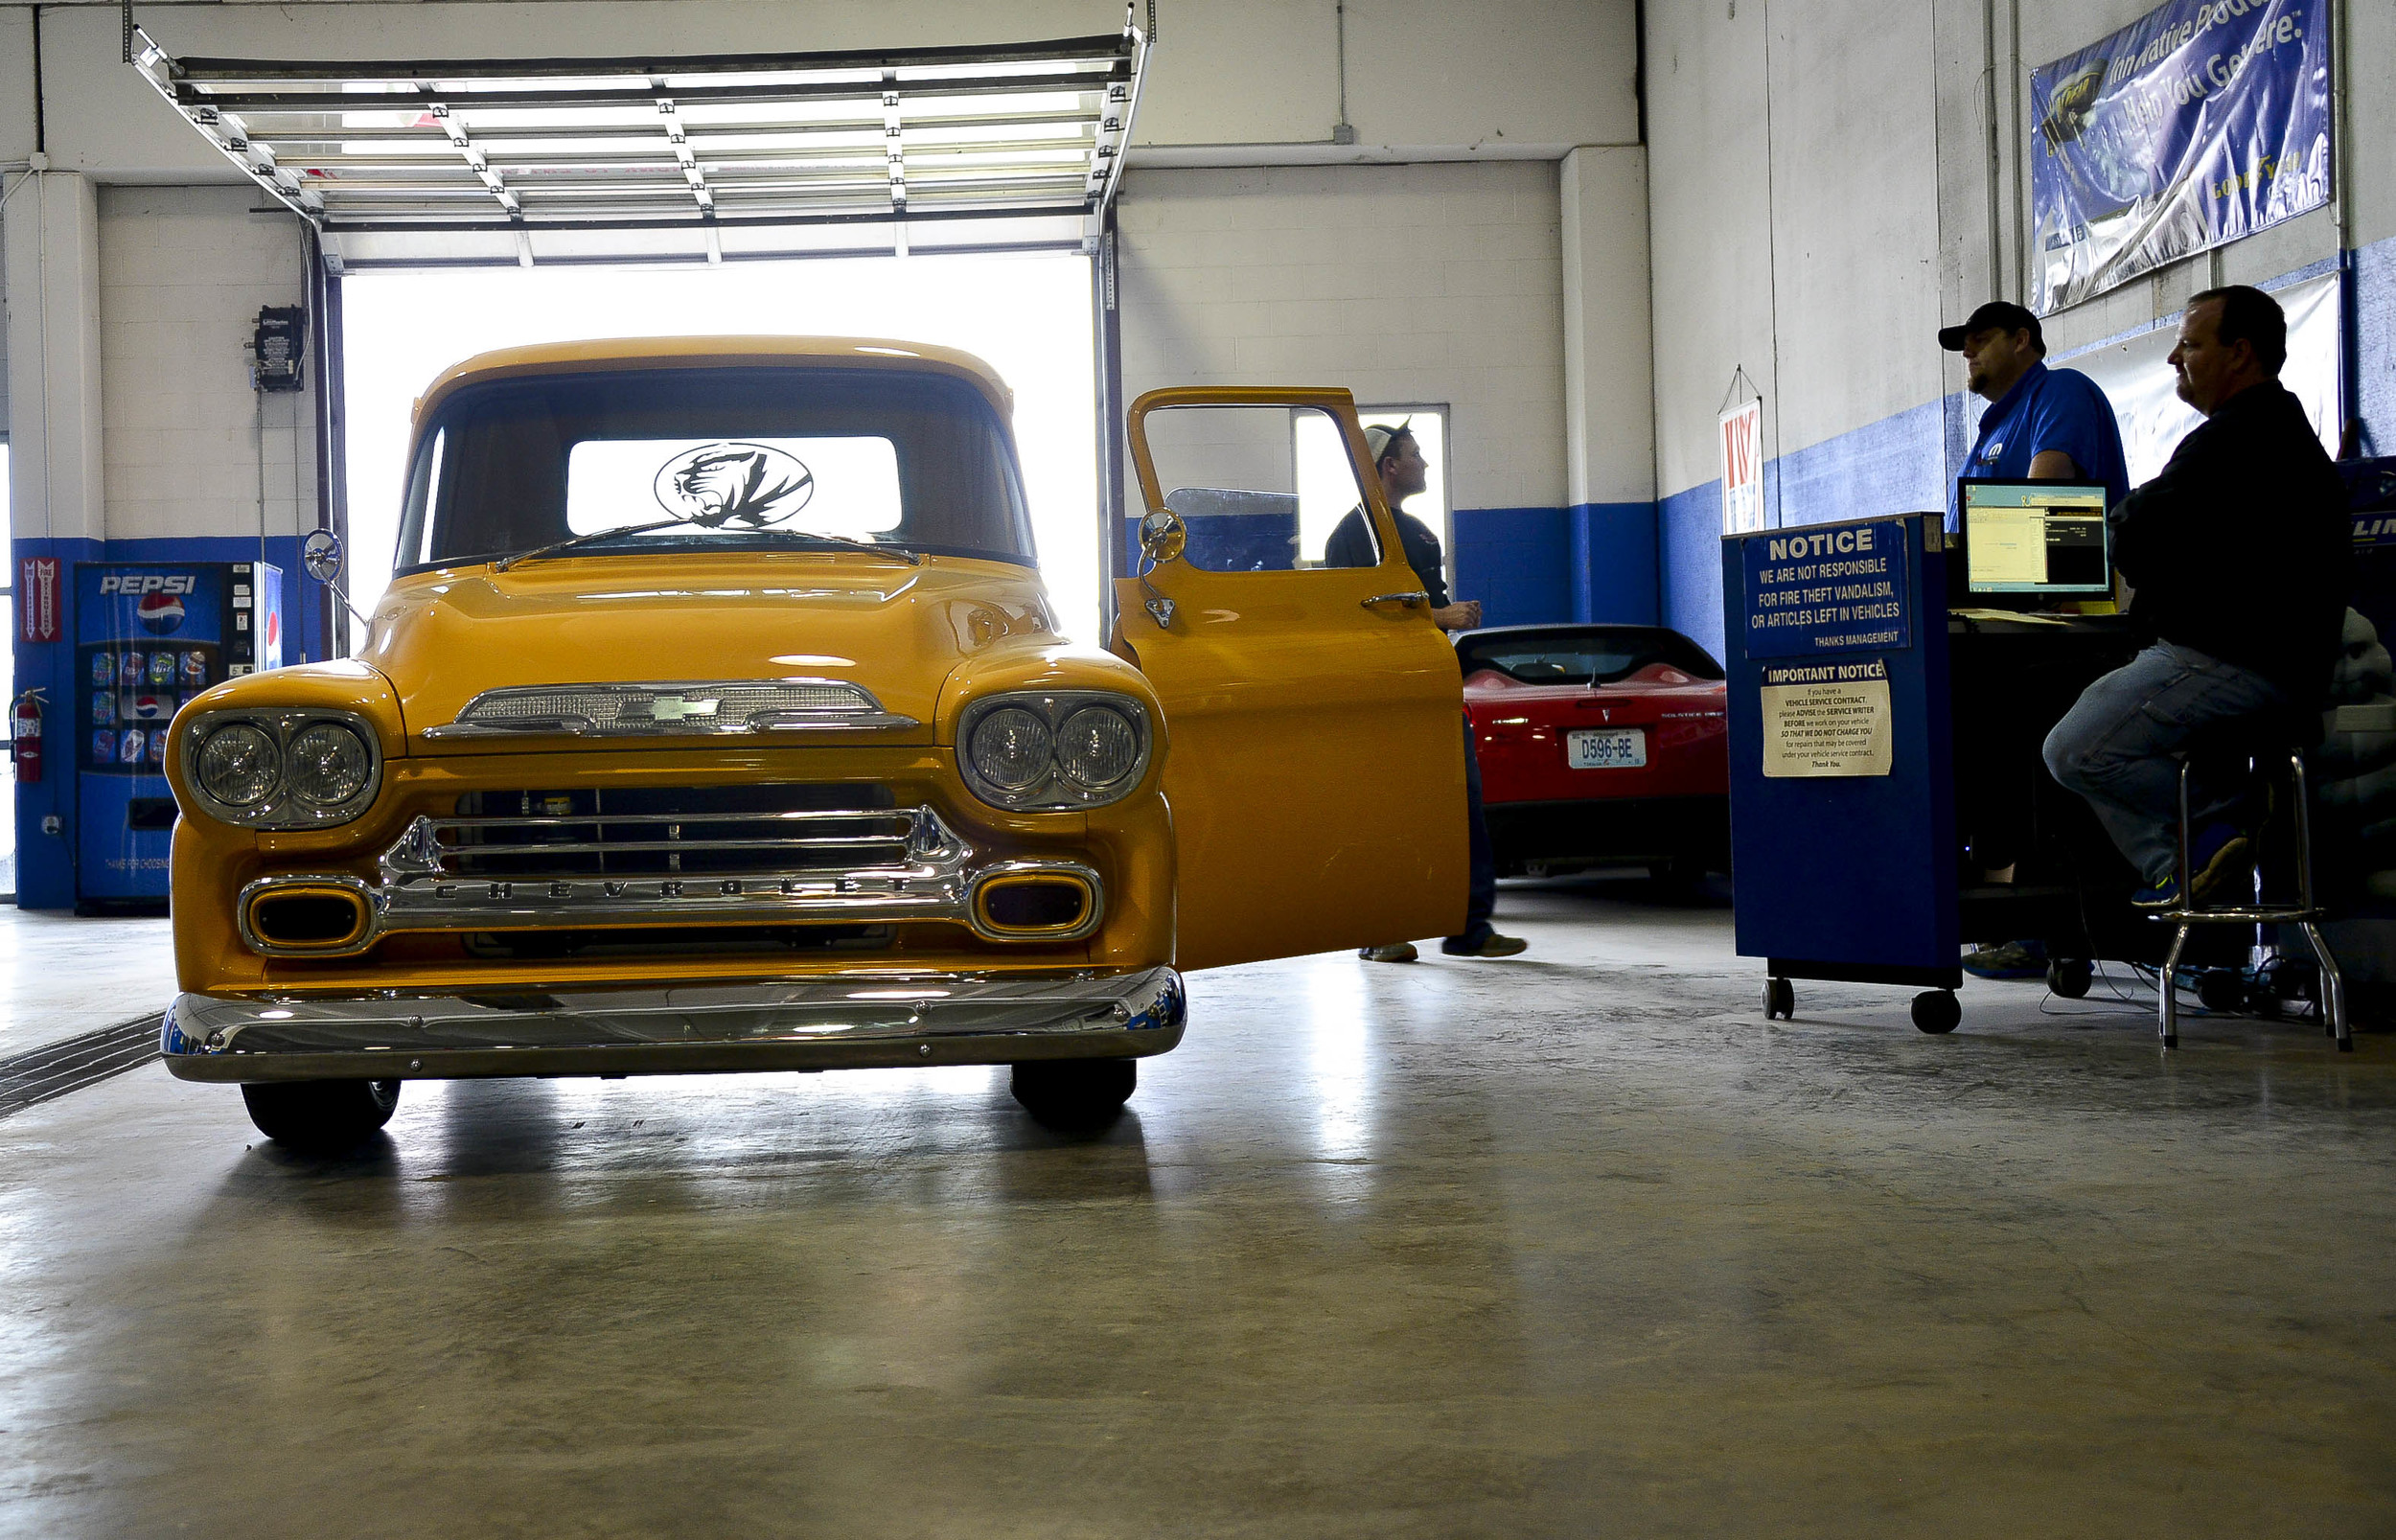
pixel 857 1022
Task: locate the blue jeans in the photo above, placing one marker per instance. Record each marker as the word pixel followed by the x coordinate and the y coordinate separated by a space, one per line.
pixel 1481 896
pixel 2114 746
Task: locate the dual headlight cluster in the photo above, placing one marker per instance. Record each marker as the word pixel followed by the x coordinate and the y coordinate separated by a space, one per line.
pixel 282 769
pixel 1053 748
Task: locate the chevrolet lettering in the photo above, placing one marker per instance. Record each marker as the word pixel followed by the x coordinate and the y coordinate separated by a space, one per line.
pixel 717 720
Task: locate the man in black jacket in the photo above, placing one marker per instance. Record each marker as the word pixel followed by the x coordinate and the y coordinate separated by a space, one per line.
pixel 2240 557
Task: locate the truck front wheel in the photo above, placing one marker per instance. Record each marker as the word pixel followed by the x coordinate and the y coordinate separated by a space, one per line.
pixel 1074 1095
pixel 321 1116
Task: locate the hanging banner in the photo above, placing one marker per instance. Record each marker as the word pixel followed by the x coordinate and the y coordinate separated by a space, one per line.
pixel 2205 121
pixel 1742 468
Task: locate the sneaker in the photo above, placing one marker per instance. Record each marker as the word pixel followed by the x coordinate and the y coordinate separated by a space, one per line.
pixel 1403 951
pixel 1493 945
pixel 2163 895
pixel 2222 855
pixel 2011 959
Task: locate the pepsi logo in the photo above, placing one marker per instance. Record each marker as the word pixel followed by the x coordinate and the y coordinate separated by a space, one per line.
pixel 160 614
pixel 152 707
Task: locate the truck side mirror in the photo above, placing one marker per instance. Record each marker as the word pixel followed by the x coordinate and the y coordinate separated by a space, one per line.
pixel 321 555
pixel 1162 536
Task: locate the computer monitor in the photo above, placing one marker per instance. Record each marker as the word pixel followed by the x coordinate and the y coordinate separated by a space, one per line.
pixel 2027 541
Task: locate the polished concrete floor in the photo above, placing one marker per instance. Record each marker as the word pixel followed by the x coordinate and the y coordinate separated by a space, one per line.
pixel 1572 1244
pixel 60 975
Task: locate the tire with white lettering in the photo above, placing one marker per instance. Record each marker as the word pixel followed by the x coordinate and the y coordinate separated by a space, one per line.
pixel 321 1116
pixel 1936 1011
pixel 1074 1095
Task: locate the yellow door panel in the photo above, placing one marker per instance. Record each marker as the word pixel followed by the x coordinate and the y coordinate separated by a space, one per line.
pixel 1313 713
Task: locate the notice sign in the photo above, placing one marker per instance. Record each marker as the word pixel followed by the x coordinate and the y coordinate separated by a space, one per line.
pixel 1742 468
pixel 1827 719
pixel 1826 590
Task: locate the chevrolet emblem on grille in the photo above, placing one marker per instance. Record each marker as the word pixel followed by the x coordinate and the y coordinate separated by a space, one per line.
pixel 682 706
pixel 673 708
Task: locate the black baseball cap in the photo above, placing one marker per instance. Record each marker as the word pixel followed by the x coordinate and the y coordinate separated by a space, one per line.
pixel 1996 316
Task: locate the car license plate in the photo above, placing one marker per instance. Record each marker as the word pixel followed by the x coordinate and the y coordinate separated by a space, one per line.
pixel 1606 748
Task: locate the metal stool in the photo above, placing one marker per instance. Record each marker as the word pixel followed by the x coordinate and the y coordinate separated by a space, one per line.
pixel 2258 742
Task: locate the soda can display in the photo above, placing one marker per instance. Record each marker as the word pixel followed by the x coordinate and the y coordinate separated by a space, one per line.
pixel 158 746
pixel 162 668
pixel 104 668
pixel 104 745
pixel 132 670
pixel 129 746
pixel 103 708
pixel 194 670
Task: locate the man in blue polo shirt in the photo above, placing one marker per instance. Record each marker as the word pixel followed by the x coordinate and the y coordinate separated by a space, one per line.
pixel 2042 425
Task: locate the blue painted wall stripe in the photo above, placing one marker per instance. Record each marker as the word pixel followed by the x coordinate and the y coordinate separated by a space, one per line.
pixel 1588 561
pixel 1900 464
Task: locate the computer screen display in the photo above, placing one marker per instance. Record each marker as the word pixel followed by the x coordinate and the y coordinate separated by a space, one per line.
pixel 2035 538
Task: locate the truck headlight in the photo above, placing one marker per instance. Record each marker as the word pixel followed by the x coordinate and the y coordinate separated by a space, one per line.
pixel 328 764
pixel 239 765
pixel 1033 750
pixel 1012 749
pixel 295 768
pixel 1098 747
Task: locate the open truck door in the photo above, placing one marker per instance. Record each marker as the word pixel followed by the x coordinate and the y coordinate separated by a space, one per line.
pixel 1313 712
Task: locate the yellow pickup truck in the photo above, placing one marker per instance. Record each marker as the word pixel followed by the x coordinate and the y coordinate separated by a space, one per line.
pixel 717 720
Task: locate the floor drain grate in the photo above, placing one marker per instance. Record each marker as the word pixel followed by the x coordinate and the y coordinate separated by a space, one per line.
pixel 54 1068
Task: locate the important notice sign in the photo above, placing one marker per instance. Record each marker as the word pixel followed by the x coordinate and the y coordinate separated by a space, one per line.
pixel 1827 719
pixel 1826 590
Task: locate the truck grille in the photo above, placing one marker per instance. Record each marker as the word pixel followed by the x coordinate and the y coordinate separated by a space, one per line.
pixel 635 832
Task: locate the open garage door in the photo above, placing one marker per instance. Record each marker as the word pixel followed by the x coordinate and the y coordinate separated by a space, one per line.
pixel 423 161
pixel 689 178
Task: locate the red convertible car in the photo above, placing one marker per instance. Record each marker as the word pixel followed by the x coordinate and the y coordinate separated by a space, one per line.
pixel 1599 745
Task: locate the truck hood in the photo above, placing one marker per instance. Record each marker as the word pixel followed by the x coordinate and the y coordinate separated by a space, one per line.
pixel 444 637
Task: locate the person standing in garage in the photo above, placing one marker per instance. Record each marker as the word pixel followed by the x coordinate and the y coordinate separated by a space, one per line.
pixel 2042 425
pixel 1398 458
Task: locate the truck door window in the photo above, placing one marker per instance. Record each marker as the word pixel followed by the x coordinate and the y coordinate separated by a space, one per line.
pixel 1257 495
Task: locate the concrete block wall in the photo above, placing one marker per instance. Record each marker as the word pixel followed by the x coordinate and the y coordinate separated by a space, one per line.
pixel 1424 283
pixel 189 448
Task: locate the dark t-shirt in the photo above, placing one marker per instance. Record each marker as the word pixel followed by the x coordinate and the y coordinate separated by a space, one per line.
pixel 1352 545
pixel 2241 549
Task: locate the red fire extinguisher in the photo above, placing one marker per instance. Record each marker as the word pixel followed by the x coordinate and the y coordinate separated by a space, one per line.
pixel 25 737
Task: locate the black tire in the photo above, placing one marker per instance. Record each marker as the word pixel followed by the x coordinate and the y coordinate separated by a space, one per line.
pixel 321 1116
pixel 1680 877
pixel 1780 999
pixel 2220 989
pixel 1936 1011
pixel 1074 1095
pixel 2070 977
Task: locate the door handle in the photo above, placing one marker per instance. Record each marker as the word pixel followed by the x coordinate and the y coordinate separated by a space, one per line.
pixel 1414 597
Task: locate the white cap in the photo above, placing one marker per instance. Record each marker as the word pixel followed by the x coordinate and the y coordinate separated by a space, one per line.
pixel 1377 438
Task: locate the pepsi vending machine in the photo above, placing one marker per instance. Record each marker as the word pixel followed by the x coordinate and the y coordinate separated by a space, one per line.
pixel 150 636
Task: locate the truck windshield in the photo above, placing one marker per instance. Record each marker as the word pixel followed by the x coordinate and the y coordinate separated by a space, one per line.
pixel 725 459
